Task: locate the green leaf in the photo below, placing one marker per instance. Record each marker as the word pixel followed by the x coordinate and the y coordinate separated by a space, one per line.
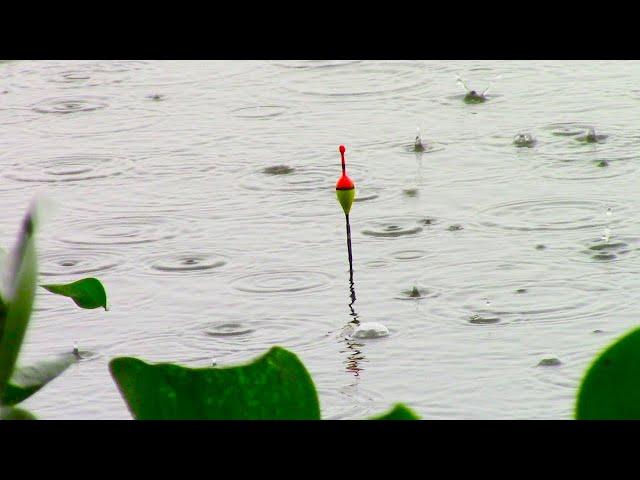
pixel 28 380
pixel 3 259
pixel 398 412
pixel 11 413
pixel 19 294
pixel 275 386
pixel 3 313
pixel 611 387
pixel 86 293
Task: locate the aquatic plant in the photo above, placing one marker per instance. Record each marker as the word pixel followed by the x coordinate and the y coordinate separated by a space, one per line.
pixel 275 386
pixel 17 294
pixel 610 389
pixel 86 293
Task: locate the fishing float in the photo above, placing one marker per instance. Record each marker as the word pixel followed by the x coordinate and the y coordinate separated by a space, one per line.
pixel 346 193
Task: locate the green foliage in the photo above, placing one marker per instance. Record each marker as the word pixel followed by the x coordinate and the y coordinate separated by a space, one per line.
pixel 398 412
pixel 86 293
pixel 28 380
pixel 16 303
pixel 275 386
pixel 12 413
pixel 3 261
pixel 611 387
pixel 19 294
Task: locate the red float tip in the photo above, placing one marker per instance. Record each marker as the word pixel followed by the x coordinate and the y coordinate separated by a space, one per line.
pixel 342 149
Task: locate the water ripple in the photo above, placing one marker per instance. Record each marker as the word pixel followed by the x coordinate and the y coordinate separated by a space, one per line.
pixel 229 341
pixel 68 105
pixel 283 282
pixel 82 116
pixel 78 261
pixel 363 82
pixel 260 111
pixel 126 230
pixel 185 263
pixel 392 227
pixel 549 214
pixel 525 292
pixel 65 168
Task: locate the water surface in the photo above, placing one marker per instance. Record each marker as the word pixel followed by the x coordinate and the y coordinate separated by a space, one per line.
pixel 202 194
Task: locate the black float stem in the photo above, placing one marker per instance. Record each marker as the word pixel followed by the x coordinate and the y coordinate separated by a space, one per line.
pixel 349 249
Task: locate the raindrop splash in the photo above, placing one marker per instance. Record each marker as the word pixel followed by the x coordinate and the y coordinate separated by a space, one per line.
pixel 418 147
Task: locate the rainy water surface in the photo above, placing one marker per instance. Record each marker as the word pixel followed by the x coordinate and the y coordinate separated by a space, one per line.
pixel 498 259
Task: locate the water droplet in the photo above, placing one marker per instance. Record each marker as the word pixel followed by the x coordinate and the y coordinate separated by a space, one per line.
pixel 417 146
pixel 591 136
pixel 524 140
pixel 370 330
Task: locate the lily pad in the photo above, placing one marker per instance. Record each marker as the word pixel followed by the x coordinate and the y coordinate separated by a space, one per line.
pixel 275 386
pixel 398 412
pixel 610 389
